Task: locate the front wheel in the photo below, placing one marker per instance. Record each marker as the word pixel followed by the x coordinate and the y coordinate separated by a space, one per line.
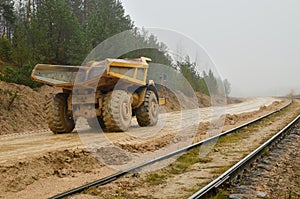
pixel 147 113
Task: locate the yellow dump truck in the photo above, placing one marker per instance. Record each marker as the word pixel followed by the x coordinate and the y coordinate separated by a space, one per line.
pixel 113 90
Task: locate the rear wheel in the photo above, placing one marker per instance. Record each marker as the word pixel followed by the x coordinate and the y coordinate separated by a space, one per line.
pixel 117 111
pixel 147 113
pixel 59 120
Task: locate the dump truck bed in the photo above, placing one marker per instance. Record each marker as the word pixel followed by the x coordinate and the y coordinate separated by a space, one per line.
pixel 104 73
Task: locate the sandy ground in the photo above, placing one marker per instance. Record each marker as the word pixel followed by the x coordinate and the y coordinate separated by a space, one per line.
pixel 40 160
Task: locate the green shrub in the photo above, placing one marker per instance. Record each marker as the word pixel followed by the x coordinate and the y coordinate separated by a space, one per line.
pixel 20 75
pixel 5 49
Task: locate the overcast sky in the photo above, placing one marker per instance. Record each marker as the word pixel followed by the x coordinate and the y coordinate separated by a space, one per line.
pixel 254 43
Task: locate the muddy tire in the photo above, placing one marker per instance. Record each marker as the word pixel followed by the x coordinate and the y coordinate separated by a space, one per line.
pixel 147 113
pixel 57 115
pixel 117 111
pixel 94 123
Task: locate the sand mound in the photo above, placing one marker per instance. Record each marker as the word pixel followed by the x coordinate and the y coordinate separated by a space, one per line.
pixel 26 112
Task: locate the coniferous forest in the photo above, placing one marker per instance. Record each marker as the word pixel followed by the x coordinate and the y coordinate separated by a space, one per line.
pixel 65 31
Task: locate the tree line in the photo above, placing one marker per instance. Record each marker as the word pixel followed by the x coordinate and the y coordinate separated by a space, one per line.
pixel 205 82
pixel 58 31
pixel 65 31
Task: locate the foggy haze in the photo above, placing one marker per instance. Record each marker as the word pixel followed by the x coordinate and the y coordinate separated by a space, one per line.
pixel 255 44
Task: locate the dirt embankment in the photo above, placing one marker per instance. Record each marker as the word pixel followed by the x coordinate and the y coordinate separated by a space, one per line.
pixel 176 101
pixel 17 175
pixel 234 120
pixel 22 108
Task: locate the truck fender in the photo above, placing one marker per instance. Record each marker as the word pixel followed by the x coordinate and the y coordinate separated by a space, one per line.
pixel 139 95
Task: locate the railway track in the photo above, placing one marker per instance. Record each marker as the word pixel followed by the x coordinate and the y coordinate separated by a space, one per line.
pixel 118 175
pixel 236 171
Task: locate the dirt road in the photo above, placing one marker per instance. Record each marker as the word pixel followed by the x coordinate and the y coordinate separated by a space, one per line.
pixel 25 144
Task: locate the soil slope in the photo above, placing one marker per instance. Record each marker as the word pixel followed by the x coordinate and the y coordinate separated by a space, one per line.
pixel 27 110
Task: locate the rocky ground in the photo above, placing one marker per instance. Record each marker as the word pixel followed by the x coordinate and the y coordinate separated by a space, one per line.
pixel 277 175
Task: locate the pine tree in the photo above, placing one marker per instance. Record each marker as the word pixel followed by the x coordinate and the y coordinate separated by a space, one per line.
pixel 227 87
pixel 7 18
pixel 211 82
pixel 103 19
pixel 56 34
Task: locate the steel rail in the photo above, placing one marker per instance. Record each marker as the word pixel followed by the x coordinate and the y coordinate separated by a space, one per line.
pixel 231 173
pixel 117 175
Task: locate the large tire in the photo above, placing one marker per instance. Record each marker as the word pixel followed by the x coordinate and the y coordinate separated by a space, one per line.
pixel 117 111
pixel 147 113
pixel 57 114
pixel 94 123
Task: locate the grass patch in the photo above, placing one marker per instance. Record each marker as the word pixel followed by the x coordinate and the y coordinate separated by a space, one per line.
pixel 266 151
pixel 228 138
pixel 191 190
pixel 185 161
pixel 238 135
pixel 222 194
pixel 180 166
pixel 108 193
pixel 205 160
pixel 234 137
pixel 155 178
pixel 220 170
pixel 92 191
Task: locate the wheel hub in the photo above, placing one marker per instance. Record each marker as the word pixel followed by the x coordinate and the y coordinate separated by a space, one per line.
pixel 154 108
pixel 125 110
